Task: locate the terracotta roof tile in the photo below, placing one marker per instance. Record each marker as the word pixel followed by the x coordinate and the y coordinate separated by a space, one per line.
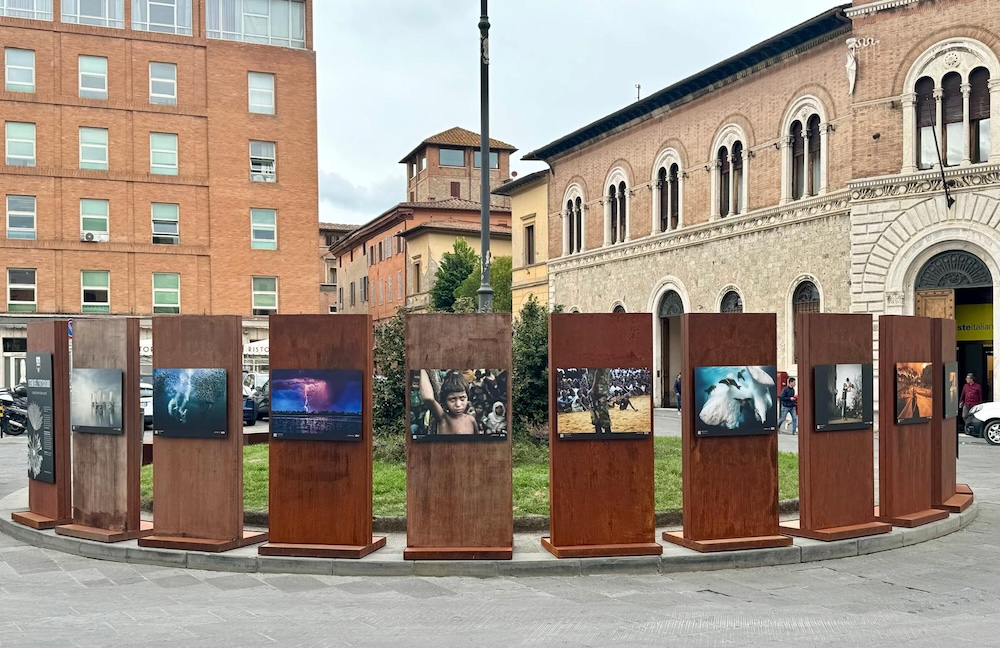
pixel 459 137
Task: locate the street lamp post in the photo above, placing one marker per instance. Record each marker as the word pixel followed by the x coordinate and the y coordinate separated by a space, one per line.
pixel 485 289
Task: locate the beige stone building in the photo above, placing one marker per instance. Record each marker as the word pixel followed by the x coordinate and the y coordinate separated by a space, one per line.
pixel 529 209
pixel 331 290
pixel 800 175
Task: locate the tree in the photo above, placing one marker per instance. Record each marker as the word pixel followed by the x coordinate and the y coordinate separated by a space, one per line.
pixel 531 366
pixel 500 279
pixel 455 267
pixel 389 390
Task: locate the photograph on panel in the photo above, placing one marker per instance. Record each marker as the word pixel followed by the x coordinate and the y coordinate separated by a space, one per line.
pixel 843 397
pixel 458 404
pixel 610 403
pixel 735 400
pixel 316 404
pixel 189 403
pixel 96 401
pixel 914 392
pixel 951 390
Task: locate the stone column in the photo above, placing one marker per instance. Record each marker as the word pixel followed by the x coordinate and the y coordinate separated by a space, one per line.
pixel 909 133
pixel 744 183
pixel 938 125
pixel 807 166
pixel 786 170
pixel 966 128
pixel 607 219
pixel 994 86
pixel 670 206
pixel 732 184
pixel 716 171
pixel 824 147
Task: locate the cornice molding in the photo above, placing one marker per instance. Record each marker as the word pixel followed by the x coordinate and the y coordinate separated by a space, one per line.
pixel 875 7
pixel 66 245
pixel 925 182
pixel 834 204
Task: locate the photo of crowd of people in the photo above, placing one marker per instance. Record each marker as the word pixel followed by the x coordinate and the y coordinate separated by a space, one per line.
pixel 458 403
pixel 603 402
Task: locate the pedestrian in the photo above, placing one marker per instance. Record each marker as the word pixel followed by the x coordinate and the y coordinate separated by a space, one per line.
pixel 677 390
pixel 972 395
pixel 789 405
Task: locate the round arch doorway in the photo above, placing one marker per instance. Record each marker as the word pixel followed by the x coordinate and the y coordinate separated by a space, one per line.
pixel 669 311
pixel 957 284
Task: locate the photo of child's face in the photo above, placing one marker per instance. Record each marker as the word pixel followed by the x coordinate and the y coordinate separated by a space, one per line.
pixel 457 403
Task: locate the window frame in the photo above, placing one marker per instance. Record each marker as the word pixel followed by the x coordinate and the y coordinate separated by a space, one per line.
pixel 216 23
pixel 262 311
pixel 158 98
pixel 95 94
pixel 161 220
pixel 95 306
pixel 529 244
pixel 441 156
pixel 262 160
pixel 20 160
pixel 163 169
pixel 106 216
pixel 257 243
pixel 477 155
pixel 271 108
pixel 10 86
pixel 29 234
pixel 76 16
pixel 166 309
pixel 93 164
pixel 148 25
pixel 21 306
pixel 38 12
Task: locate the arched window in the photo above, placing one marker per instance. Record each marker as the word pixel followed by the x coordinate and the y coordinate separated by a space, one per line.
pixel 613 203
pixel 814 144
pixel 805 299
pixel 578 224
pixel 731 303
pixel 618 309
pixel 571 224
pixel 622 212
pixel 798 161
pixel 979 115
pixel 573 220
pixel 674 180
pixel 952 110
pixel 663 190
pixel 926 145
pixel 738 197
pixel 722 162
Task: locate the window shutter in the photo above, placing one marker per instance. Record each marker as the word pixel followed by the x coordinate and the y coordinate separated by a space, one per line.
pixel 952 102
pixel 979 99
pixel 925 102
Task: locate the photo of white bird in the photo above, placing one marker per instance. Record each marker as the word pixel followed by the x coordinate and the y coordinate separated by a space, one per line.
pixel 735 400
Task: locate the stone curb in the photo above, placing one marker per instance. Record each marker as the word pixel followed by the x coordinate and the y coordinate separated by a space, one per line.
pixel 389 561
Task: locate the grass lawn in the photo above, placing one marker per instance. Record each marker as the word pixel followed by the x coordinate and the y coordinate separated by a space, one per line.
pixel 531 479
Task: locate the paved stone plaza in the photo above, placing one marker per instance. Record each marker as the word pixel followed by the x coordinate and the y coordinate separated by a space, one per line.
pixel 943 592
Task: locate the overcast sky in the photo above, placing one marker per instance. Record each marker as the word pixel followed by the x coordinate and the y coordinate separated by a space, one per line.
pixel 393 72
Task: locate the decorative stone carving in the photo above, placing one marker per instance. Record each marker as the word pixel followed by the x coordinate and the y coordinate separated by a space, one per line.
pixel 894 299
pixel 925 183
pixel 955 269
pixel 671 305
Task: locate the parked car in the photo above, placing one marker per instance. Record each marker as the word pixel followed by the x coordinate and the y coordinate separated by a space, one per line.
pixel 263 399
pixel 146 401
pixel 249 407
pixel 984 421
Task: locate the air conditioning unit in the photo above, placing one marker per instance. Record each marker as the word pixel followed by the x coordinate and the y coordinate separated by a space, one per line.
pixel 93 237
pixel 262 177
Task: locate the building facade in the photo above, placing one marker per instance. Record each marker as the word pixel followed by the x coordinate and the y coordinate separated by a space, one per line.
pixel 159 158
pixel 330 289
pixel 529 211
pixel 428 242
pixel 375 269
pixel 801 175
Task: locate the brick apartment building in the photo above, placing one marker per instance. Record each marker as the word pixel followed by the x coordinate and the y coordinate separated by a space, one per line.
pixel 374 268
pixel 159 157
pixel 799 175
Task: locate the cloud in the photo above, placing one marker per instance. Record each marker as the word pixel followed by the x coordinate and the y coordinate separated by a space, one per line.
pixel 343 201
